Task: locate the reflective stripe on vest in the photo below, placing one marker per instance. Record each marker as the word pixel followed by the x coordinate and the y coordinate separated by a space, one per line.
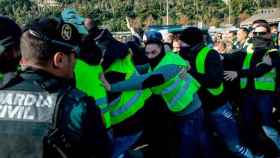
pixel 177 92
pixel 102 103
pixel 266 82
pixel 172 87
pixel 182 91
pixel 127 105
pixel 129 102
pixel 200 66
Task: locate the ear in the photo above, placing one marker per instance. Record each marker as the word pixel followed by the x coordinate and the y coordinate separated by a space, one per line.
pixel 58 59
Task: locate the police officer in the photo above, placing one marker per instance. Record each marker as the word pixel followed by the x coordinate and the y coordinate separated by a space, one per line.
pixel 10 34
pixel 42 113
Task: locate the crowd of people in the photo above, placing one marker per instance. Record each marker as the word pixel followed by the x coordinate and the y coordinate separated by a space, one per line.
pixel 68 89
pixel 227 42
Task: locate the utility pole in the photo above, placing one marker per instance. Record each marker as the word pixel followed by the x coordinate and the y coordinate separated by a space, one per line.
pixel 167 12
pixel 229 10
pixel 195 11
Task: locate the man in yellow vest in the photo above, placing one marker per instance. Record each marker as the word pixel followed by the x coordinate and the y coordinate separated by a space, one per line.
pixel 126 108
pixel 258 82
pixel 207 69
pixel 87 71
pixel 168 78
pixel 248 45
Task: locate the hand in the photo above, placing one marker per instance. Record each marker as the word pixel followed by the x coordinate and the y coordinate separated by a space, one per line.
pixel 106 84
pixel 230 75
pixel 5 43
pixel 221 57
pixel 267 60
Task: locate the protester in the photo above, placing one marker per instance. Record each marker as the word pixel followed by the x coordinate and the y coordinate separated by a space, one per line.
pixel 258 84
pixel 10 34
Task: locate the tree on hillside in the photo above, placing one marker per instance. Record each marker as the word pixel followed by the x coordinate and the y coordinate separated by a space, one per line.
pixel 112 13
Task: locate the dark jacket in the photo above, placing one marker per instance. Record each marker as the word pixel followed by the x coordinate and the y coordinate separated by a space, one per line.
pixel 6 78
pixel 232 88
pixel 255 70
pixel 212 78
pixel 78 121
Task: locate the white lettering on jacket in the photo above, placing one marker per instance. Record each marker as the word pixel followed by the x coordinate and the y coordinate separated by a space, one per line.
pixel 26 106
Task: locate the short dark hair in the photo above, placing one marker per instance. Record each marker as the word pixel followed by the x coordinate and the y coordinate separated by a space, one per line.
pixel 233 32
pixel 95 22
pixel 265 26
pixel 192 36
pixel 259 21
pixel 244 29
pixel 36 50
pixel 274 25
pixel 90 52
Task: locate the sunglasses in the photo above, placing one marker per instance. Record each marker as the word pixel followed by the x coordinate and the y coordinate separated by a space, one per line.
pixel 259 33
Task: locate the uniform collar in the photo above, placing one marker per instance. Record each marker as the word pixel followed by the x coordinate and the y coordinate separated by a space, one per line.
pixel 45 79
pixel 35 73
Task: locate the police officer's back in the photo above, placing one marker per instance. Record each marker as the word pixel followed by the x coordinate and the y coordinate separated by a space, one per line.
pixel 41 113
